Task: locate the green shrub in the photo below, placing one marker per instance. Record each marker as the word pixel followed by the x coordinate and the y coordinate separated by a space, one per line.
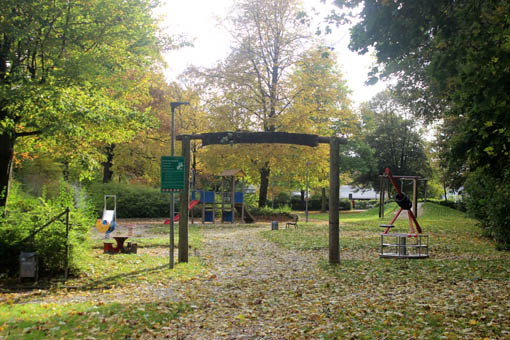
pixel 133 201
pixel 366 204
pixel 315 203
pixel 268 212
pixel 282 200
pixel 24 215
pixel 487 200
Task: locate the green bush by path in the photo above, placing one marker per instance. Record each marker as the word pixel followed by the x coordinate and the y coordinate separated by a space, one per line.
pixel 488 201
pixel 25 214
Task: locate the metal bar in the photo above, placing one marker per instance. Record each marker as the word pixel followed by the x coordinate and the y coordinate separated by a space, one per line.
pixel 44 226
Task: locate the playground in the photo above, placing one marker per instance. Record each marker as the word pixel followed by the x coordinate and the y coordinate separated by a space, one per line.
pixel 246 281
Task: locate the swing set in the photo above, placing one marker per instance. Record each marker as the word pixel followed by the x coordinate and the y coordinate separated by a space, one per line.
pixel 396 245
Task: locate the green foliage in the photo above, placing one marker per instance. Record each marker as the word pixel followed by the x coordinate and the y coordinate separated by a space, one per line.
pixel 24 215
pixel 366 204
pixel 315 203
pixel 68 70
pixel 451 60
pixel 268 212
pixel 487 200
pixel 395 142
pixel 40 173
pixel 281 200
pixel 132 200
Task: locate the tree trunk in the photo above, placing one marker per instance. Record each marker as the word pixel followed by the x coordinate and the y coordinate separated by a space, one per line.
pixel 107 171
pixel 6 155
pixel 66 171
pixel 264 184
pixel 323 200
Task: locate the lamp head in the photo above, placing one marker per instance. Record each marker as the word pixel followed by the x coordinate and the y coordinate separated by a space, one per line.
pixel 173 105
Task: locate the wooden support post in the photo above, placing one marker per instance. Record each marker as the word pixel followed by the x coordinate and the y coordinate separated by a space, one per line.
pixel 222 199
pixel 66 269
pixel 334 206
pixel 232 198
pixel 415 197
pixel 242 203
pixel 183 211
pixel 381 196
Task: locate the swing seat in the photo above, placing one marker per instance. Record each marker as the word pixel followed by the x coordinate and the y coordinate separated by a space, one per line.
pixel 386 226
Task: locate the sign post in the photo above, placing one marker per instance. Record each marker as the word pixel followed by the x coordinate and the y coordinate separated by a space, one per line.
pixel 172 180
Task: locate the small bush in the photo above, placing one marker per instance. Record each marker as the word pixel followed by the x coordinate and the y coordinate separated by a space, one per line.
pixel 133 201
pixel 365 204
pixel 282 200
pixel 267 212
pixel 315 204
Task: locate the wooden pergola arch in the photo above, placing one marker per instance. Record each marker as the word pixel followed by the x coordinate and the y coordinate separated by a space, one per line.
pixel 226 138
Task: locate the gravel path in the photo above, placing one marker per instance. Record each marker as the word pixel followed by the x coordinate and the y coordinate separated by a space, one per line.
pixel 254 290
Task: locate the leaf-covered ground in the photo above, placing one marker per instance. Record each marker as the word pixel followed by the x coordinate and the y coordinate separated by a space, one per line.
pixel 253 283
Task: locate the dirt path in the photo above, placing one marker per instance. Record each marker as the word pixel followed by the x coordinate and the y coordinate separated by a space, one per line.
pixel 255 290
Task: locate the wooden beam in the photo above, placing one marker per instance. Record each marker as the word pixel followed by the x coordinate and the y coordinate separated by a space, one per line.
pixel 261 137
pixel 183 211
pixel 415 197
pixel 334 206
pixel 381 196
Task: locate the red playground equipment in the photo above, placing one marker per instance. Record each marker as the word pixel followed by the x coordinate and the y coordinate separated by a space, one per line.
pixel 396 245
pixel 190 206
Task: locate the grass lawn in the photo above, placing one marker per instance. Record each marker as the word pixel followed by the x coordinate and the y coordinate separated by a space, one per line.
pixel 461 292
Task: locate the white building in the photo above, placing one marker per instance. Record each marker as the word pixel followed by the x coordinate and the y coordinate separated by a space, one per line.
pixel 357 194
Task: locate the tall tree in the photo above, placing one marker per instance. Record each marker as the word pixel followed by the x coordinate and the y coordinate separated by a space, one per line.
pixel 396 141
pixel 138 160
pixel 269 39
pixel 450 57
pixel 62 65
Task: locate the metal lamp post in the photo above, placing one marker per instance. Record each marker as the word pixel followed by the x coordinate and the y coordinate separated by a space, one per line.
pixel 306 194
pixel 173 105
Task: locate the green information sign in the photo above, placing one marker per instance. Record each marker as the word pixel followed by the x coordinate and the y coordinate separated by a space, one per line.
pixel 172 174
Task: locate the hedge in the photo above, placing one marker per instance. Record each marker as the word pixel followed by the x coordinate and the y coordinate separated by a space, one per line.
pixel 133 201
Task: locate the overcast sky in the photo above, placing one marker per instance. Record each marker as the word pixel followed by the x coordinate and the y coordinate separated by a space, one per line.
pixel 198 20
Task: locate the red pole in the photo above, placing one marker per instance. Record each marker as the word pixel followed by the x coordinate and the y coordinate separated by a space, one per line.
pixel 418 228
pixel 393 181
